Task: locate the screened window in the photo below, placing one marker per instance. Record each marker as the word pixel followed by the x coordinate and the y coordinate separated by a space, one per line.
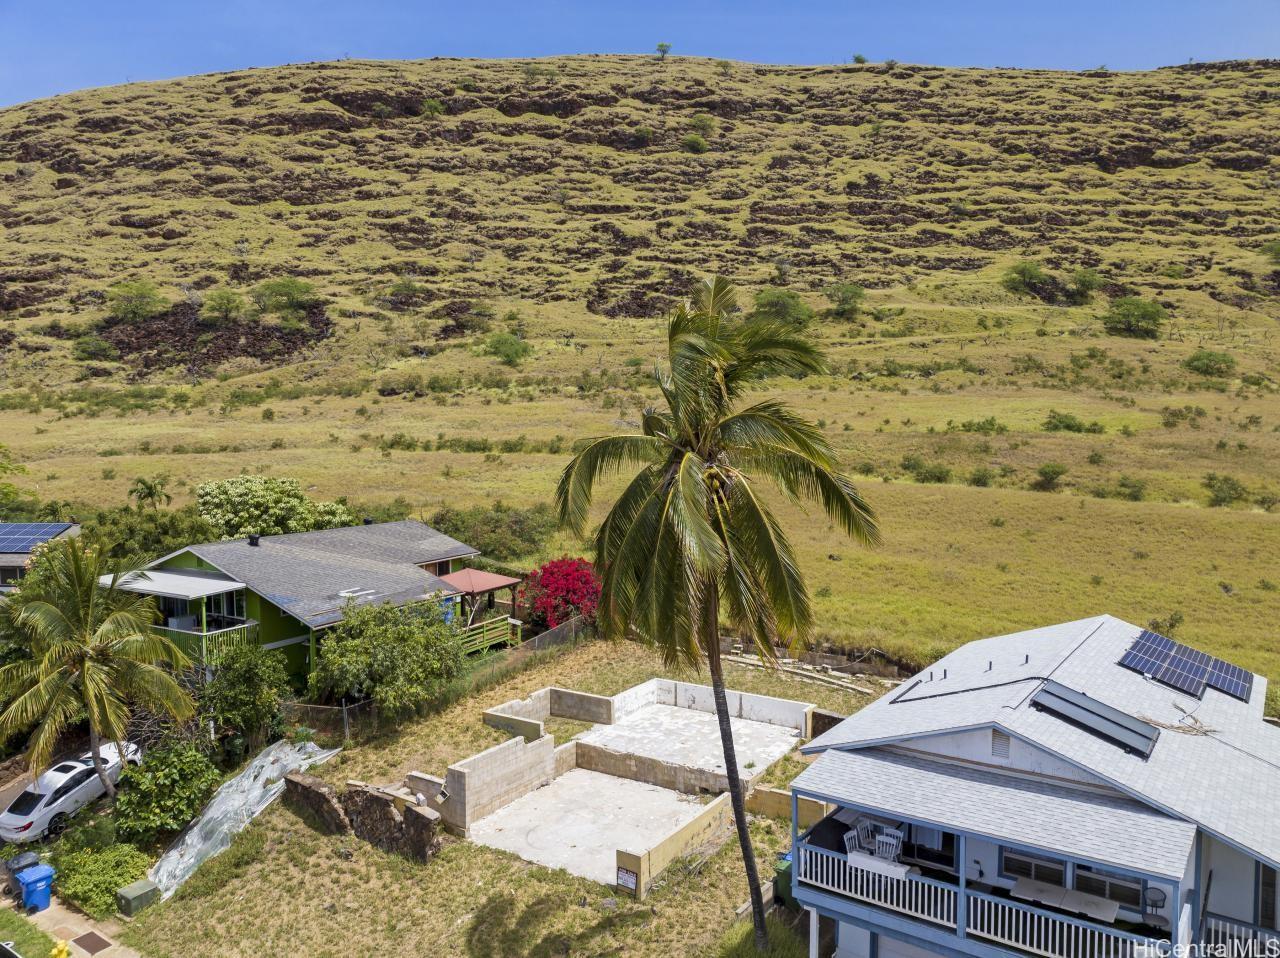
pixel 1022 865
pixel 1267 897
pixel 1118 888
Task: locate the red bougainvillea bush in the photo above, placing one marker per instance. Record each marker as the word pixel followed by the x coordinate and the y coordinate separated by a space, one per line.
pixel 559 590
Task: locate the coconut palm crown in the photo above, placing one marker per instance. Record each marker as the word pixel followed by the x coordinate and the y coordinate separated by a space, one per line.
pixel 87 653
pixel 691 539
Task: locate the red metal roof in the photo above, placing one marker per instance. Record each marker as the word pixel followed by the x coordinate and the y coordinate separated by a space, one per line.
pixel 476 582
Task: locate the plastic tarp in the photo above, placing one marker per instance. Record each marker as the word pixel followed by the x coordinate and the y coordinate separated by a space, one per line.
pixel 233 806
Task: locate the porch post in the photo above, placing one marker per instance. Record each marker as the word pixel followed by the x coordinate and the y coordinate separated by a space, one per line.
pixel 1175 914
pixel 813 933
pixel 795 831
pixel 1200 903
pixel 962 901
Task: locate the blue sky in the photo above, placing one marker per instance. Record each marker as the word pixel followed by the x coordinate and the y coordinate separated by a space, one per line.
pixel 54 47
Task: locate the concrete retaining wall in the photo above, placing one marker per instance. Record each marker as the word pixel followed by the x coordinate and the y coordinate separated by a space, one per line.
pixel 526 717
pixel 582 706
pixel 776 803
pixel 744 705
pixel 641 768
pixel 646 865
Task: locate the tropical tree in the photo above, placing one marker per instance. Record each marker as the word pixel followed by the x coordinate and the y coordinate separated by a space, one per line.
pixel 691 540
pixel 90 655
pixel 151 491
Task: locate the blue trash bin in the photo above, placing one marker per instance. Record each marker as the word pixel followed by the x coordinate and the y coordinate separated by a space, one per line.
pixel 36 884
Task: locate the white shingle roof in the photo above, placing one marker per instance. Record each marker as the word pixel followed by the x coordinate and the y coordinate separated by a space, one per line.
pixel 1220 769
pixel 1057 818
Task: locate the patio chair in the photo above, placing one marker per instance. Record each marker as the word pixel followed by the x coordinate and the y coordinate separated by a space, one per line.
pixel 889 844
pixel 1153 901
pixel 866 831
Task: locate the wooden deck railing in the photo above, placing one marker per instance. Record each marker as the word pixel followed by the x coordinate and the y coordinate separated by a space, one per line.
pixel 482 636
pixel 1226 932
pixel 999 920
pixel 206 648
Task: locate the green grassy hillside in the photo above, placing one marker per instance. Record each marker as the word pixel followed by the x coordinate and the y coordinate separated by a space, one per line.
pixel 435 203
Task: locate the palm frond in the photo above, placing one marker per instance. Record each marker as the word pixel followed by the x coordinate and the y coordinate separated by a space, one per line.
pixel 599 458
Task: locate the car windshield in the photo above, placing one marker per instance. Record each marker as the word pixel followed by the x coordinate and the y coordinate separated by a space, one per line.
pixel 26 803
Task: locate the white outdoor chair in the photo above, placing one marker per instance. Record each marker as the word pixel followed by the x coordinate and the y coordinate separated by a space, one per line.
pixel 851 842
pixel 889 844
pixel 866 831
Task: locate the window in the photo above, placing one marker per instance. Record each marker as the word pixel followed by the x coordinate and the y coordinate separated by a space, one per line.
pixel 437 568
pixel 71 784
pixel 931 846
pixel 1266 896
pixel 1021 865
pixel 9 575
pixel 26 803
pixel 999 744
pixel 1118 888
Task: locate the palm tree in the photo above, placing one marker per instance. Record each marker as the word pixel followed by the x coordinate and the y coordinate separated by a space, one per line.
pixel 91 655
pixel 690 539
pixel 152 491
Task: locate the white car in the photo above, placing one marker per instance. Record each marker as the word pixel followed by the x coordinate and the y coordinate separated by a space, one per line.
pixel 48 803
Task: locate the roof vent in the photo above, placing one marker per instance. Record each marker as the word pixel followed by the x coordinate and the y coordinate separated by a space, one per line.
pixel 368 520
pixel 254 538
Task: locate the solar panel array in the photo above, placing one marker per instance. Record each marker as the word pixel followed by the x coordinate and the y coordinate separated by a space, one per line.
pixel 25 536
pixel 1097 718
pixel 1184 668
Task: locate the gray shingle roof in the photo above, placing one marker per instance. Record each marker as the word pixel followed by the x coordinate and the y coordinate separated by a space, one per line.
pixel 1057 818
pixel 1220 769
pixel 313 575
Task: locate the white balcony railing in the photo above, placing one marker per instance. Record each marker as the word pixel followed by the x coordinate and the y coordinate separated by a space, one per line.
pixel 1220 931
pixel 999 920
pixel 918 897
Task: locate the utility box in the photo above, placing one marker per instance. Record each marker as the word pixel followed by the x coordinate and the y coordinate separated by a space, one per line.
pixel 131 899
pixel 36 887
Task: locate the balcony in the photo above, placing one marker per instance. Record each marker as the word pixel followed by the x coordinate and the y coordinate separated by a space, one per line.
pixel 990 914
pixel 206 646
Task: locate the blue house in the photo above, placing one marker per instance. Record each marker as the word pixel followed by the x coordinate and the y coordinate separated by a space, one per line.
pixel 1086 789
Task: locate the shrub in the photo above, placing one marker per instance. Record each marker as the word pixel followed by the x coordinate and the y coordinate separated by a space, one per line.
pixel 267 506
pixel 499 531
pixel 702 124
pixel 161 796
pixel 559 590
pixel 1134 317
pixel 1025 278
pixel 926 471
pixel 1069 422
pixel 693 143
pixel 222 306
pixel 739 941
pixel 846 300
pixel 1223 490
pixel 982 476
pixel 89 878
pixel 126 533
pixel 399 657
pixel 509 349
pixel 643 135
pixel 135 300
pixel 288 297
pixel 1207 362
pixel 245 692
pixel 859 58
pixel 1049 477
pixel 663 50
pixel 1084 282
pixel 431 107
pixel 724 67
pixel 90 348
pixel 782 306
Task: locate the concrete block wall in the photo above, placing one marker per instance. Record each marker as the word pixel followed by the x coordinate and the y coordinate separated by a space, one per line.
pixel 483 783
pixel 642 768
pixel 523 717
pixel 711 824
pixel 776 803
pixel 582 706
pixel 745 705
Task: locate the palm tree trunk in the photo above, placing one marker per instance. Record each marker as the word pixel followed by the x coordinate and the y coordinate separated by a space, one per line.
pixel 99 766
pixel 711 634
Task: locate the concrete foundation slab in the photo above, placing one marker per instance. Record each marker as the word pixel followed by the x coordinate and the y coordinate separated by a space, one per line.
pixel 579 821
pixel 688 737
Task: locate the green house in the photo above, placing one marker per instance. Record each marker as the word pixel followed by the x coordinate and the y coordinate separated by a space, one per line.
pixel 283 591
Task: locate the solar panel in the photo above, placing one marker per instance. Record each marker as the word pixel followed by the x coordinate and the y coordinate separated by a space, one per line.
pixel 1097 718
pixel 25 536
pixel 1186 669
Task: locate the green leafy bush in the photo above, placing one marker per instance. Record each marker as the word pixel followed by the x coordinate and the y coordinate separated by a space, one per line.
pixel 89 348
pixel 703 124
pixel 923 471
pixel 782 306
pixel 499 531
pixel 693 143
pixel 287 297
pixel 88 878
pixel 400 657
pixel 222 306
pixel 135 300
pixel 161 796
pixel 1049 477
pixel 846 300
pixel 509 349
pixel 1084 282
pixel 1069 422
pixel 982 476
pixel 1207 362
pixel 1134 317
pixel 245 692
pixel 1224 490
pixel 267 506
